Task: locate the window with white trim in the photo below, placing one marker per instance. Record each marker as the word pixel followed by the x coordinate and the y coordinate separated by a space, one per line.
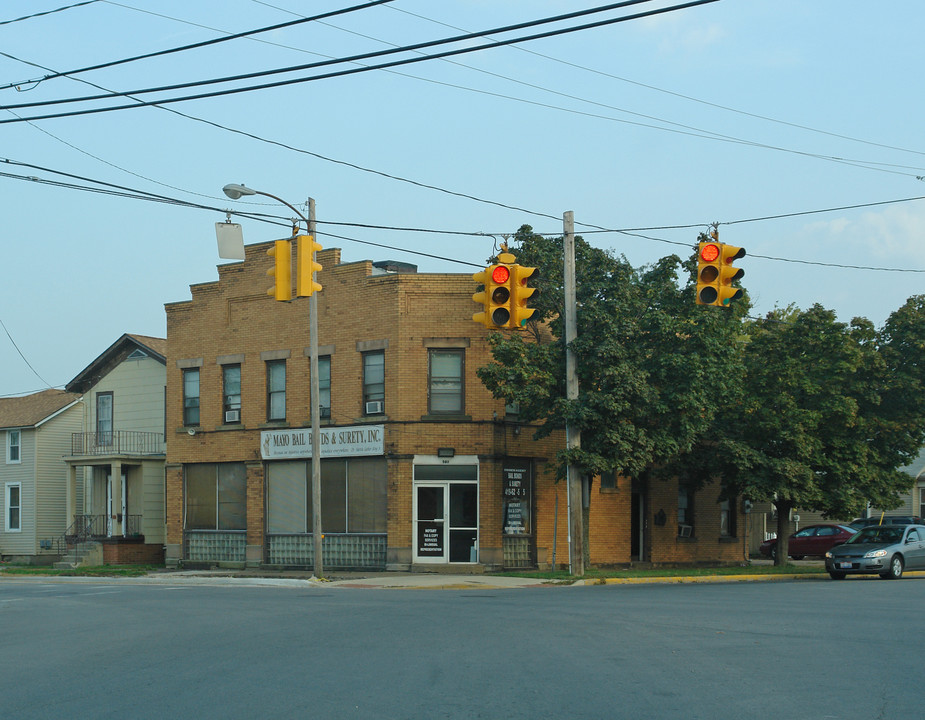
pixel 13 446
pixel 446 381
pixel 12 503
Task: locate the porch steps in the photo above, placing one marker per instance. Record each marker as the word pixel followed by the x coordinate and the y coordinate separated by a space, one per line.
pixel 88 553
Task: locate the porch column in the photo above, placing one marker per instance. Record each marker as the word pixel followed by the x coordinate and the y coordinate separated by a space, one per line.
pixel 70 496
pixel 116 490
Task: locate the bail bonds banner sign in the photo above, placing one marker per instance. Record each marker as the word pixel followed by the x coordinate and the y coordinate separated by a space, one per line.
pixel 353 441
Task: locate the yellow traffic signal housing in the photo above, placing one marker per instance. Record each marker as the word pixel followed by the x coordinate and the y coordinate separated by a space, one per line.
pixel 281 272
pixel 520 313
pixel 495 298
pixel 709 259
pixel 728 273
pixel 306 266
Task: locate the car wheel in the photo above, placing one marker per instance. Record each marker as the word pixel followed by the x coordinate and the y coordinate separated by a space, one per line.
pixel 774 553
pixel 836 575
pixel 896 569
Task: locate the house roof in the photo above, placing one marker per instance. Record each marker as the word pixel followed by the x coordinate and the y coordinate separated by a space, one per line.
pixel 153 347
pixel 31 410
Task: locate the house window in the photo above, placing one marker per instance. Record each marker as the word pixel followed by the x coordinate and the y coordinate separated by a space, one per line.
pixel 231 393
pixel 324 386
pixel 446 381
pixel 13 503
pixel 727 519
pixel 374 383
pixel 216 496
pixel 13 446
pixel 608 480
pixel 276 390
pixel 191 396
pixel 685 511
pixel 104 418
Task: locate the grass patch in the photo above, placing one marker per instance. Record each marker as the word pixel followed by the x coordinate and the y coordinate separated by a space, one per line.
pixel 96 571
pixel 601 574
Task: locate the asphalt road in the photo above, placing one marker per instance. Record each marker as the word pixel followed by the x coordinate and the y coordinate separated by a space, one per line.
pixel 124 649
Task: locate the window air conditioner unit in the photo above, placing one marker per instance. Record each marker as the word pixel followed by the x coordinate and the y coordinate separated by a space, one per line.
pixel 324 412
pixel 232 416
pixel 374 407
pixel 684 530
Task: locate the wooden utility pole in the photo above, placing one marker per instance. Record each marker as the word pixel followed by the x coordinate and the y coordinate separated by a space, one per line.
pixel 572 435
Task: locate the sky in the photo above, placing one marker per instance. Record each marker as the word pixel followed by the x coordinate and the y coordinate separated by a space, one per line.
pixel 794 125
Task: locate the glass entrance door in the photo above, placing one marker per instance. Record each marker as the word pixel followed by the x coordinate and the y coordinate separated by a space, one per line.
pixel 446 517
pixel 430 530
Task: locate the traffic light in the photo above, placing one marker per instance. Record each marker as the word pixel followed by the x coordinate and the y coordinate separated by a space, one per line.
pixel 306 266
pixel 709 258
pixel 520 313
pixel 728 273
pixel 281 272
pixel 495 298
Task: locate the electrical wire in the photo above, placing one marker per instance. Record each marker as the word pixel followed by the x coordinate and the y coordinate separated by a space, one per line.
pixel 332 61
pixel 194 46
pixel 47 12
pixel 132 193
pixel 351 71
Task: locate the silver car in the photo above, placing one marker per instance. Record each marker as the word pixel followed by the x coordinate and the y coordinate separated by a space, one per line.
pixel 883 549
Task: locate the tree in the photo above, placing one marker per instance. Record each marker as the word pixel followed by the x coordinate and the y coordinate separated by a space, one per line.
pixel 653 366
pixel 828 413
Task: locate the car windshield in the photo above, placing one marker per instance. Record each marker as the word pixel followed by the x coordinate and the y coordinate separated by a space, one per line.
pixel 878 534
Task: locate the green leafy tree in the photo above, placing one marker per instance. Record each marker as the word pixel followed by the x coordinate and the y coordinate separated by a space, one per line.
pixel 653 367
pixel 828 413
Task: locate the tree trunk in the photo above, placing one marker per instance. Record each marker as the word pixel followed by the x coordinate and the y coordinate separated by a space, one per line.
pixel 783 531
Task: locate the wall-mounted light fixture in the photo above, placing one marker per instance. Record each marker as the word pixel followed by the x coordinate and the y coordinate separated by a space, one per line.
pixel 446 452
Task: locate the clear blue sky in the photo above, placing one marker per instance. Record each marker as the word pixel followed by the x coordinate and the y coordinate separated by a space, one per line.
pixel 728 112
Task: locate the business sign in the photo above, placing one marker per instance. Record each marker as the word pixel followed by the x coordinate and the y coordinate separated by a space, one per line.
pixel 516 496
pixel 353 441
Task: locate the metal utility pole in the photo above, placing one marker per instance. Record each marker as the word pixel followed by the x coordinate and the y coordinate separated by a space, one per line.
pixel 317 535
pixel 572 435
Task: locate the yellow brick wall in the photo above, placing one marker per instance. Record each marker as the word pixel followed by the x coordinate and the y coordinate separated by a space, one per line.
pixel 409 311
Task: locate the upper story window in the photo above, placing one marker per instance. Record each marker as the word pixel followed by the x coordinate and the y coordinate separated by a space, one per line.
pixel 276 390
pixel 13 446
pixel 191 396
pixel 231 393
pixel 446 381
pixel 374 382
pixel 104 418
pixel 12 519
pixel 324 386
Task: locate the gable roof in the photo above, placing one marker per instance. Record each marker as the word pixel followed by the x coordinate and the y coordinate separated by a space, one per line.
pixel 32 410
pixel 153 347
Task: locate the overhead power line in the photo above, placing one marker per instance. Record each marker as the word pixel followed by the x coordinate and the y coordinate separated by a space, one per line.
pixel 350 71
pixel 135 194
pixel 194 46
pixel 47 12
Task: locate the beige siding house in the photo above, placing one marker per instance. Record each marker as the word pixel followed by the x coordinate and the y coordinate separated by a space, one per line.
pixel 36 433
pixel 116 462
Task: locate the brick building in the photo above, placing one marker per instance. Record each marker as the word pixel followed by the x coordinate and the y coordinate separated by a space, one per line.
pixel 420 465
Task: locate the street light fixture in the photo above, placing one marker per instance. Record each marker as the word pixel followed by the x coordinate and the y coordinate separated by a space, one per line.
pixel 235 192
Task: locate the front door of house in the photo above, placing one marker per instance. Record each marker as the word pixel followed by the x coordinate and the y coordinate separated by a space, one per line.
pixel 110 512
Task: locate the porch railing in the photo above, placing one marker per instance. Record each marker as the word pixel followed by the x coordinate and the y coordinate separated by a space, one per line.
pixel 92 527
pixel 118 442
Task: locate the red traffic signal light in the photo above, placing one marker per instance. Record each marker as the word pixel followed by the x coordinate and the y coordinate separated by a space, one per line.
pixel 709 257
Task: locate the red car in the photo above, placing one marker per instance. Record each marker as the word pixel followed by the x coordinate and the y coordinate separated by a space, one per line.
pixel 811 540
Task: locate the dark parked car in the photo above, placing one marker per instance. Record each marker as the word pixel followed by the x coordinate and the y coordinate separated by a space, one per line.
pixel 811 540
pixel 882 549
pixel 858 523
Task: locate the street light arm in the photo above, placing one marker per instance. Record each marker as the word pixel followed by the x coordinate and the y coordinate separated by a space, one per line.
pixel 235 191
